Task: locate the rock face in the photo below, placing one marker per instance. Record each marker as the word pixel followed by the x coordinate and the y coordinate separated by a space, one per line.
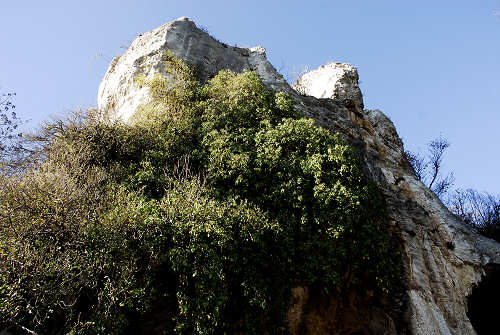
pixel 334 81
pixel 443 258
pixel 119 97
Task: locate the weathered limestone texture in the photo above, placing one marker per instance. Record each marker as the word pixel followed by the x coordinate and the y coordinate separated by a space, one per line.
pixel 443 258
pixel 119 97
pixel 334 81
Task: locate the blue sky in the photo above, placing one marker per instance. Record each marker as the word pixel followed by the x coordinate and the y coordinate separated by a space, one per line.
pixel 432 66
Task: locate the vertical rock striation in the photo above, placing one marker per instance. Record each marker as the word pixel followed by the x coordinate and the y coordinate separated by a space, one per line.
pixel 443 258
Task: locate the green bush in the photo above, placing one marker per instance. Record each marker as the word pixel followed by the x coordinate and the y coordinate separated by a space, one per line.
pixel 206 209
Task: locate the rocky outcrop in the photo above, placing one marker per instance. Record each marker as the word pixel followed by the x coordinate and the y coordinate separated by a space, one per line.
pixel 334 81
pixel 443 258
pixel 119 97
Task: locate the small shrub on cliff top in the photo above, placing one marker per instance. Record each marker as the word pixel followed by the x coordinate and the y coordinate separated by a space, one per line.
pixel 203 213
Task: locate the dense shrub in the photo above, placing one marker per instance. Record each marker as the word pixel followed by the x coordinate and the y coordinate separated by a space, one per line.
pixel 206 209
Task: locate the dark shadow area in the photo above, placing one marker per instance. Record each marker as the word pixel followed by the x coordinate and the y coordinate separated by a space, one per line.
pixel 482 304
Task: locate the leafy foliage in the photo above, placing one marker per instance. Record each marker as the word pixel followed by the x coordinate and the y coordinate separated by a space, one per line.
pixel 206 209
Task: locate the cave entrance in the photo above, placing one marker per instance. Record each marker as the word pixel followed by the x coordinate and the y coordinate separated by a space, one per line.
pixel 483 304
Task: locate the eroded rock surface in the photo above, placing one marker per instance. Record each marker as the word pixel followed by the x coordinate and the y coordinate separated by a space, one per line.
pixel 334 81
pixel 443 258
pixel 119 96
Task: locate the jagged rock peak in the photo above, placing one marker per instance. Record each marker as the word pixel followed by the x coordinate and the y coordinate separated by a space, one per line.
pixel 334 81
pixel 118 95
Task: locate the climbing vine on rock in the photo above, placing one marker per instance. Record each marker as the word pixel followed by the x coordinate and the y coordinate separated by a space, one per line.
pixel 207 209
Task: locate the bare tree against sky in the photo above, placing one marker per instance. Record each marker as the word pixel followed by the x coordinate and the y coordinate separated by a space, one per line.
pixel 9 121
pixel 481 210
pixel 428 169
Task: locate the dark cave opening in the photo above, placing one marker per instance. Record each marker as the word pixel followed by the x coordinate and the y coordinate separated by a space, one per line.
pixel 483 303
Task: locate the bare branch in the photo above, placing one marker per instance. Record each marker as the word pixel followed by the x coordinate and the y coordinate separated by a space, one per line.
pixel 418 164
pixel 429 167
pixel 437 148
pixel 443 185
pixel 480 210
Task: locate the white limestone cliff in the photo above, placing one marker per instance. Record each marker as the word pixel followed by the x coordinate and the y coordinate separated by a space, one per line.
pixel 118 95
pixel 443 258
